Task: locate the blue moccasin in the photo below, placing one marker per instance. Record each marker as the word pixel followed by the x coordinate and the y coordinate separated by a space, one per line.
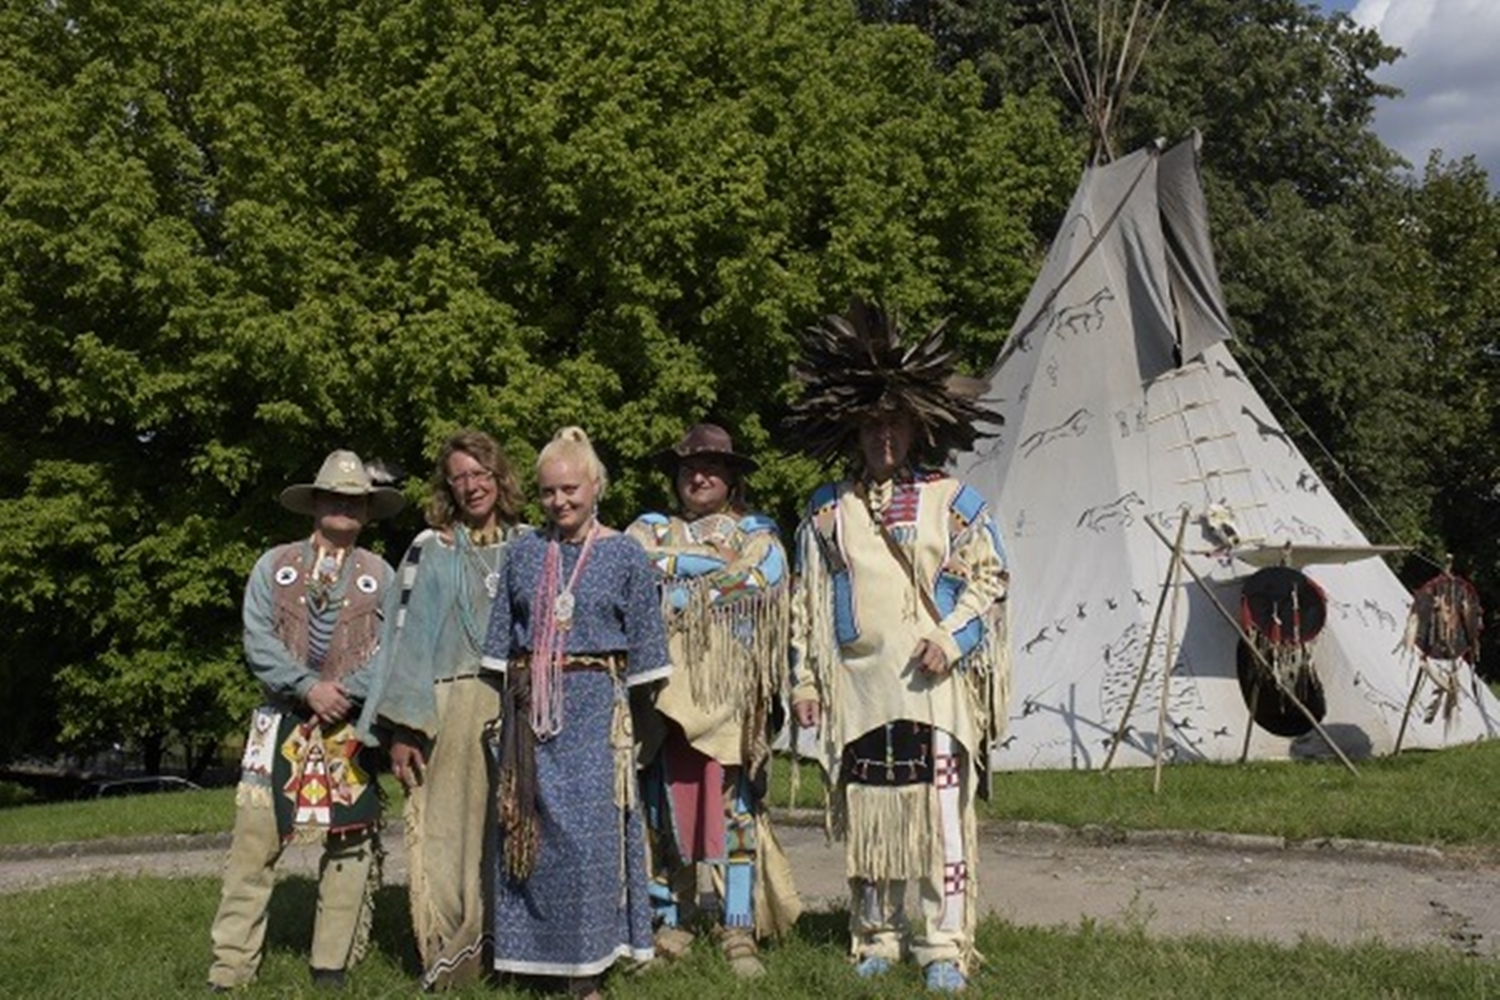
pixel 945 977
pixel 874 965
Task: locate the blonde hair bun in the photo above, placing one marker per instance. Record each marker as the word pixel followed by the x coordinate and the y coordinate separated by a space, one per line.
pixel 571 444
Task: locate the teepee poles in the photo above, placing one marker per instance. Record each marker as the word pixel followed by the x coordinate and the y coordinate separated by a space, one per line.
pixel 1100 81
pixel 1411 700
pixel 1250 722
pixel 1140 676
pixel 1261 660
pixel 1174 577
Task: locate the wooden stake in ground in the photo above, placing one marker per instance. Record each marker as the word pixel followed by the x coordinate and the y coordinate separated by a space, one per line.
pixel 1140 676
pixel 1250 722
pixel 1174 578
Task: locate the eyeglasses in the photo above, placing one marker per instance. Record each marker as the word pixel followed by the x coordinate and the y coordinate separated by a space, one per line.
pixel 476 475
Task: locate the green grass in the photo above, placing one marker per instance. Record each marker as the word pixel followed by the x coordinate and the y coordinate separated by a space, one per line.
pixel 207 811
pixel 145 937
pixel 1444 798
pixel 12 794
pixel 1418 798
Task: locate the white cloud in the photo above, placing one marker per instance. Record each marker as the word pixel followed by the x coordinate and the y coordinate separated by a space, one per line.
pixel 1450 74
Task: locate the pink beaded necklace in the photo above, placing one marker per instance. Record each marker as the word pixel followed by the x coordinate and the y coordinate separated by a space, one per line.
pixel 552 619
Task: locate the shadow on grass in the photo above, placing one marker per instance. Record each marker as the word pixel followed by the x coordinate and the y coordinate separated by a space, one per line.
pixel 294 902
pixel 820 927
pixel 392 932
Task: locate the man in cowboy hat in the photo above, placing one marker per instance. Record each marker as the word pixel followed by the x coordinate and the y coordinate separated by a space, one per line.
pixel 722 574
pixel 312 622
pixel 895 655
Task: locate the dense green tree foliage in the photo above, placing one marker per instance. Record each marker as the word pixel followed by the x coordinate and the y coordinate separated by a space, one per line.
pixel 234 236
pixel 1281 92
pixel 1441 280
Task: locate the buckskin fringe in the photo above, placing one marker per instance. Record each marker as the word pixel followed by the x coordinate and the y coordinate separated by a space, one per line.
pixel 366 923
pixel 736 649
pixel 889 831
pixel 755 744
pixel 821 652
pixel 622 743
pixel 820 659
pixel 425 916
pixel 986 673
pixel 970 957
pixel 253 795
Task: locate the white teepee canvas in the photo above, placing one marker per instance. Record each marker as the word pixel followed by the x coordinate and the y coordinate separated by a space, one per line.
pixel 1122 404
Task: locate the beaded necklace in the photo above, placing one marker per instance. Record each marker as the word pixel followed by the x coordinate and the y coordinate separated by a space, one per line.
pixel 551 620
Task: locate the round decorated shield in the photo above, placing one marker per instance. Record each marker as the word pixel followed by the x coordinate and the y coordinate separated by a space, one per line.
pixel 1448 618
pixel 1274 711
pixel 1283 606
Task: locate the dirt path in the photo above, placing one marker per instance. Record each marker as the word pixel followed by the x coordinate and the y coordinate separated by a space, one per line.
pixel 1165 884
pixel 1173 884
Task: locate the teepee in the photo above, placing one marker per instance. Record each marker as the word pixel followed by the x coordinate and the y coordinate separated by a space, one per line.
pixel 1127 418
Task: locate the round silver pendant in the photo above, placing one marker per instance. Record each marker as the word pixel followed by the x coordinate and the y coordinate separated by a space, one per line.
pixel 492 584
pixel 562 608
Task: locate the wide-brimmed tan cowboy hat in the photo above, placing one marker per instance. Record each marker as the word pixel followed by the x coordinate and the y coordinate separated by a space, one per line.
pixel 343 473
pixel 704 441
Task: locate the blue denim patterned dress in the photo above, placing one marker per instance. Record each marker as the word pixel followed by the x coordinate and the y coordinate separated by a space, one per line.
pixel 585 903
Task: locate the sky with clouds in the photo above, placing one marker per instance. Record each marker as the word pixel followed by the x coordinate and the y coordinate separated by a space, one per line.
pixel 1450 75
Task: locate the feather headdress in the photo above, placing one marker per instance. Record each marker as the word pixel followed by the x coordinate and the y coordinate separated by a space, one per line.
pixel 854 367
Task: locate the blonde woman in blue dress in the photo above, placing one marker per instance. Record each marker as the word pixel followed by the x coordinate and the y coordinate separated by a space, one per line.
pixel 576 627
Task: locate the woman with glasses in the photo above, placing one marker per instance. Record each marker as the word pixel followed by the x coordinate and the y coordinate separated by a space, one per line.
pixel 430 701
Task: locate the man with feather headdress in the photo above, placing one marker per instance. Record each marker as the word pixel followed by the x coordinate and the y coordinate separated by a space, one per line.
pixel 898 658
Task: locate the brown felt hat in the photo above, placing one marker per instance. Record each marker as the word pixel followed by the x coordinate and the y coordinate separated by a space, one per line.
pixel 704 441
